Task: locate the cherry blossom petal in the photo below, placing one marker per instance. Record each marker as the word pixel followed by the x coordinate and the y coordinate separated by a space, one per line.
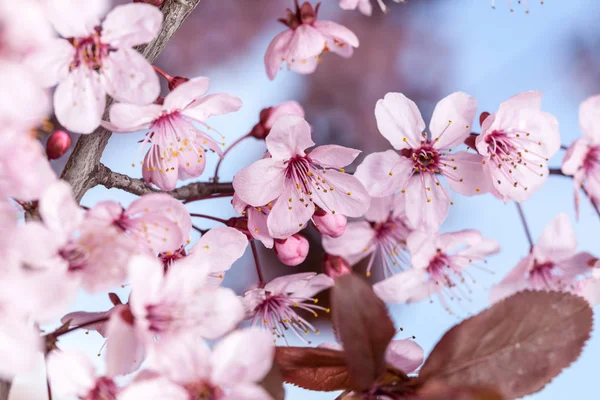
pixel 186 93
pixel 165 205
pixel 159 388
pixel 380 208
pixel 403 287
pixel 79 101
pixel 590 290
pixel 288 107
pixel 384 173
pixel 311 287
pixel 160 170
pixel 130 78
pixel 345 194
pixel 470 170
pixel 452 119
pixel 578 264
pixel 247 391
pixel 130 25
pixel 405 355
pixel 306 42
pixel 211 105
pixel 575 156
pixel 217 249
pixel 20 347
pixel 47 244
pixel 59 211
pixel 289 137
pixel 527 180
pixel 191 163
pixel 125 352
pixel 261 182
pixel 304 66
pixel 70 373
pixel 51 63
pixel 427 202
pixel 558 240
pixel 342 40
pixel 276 52
pixel 74 18
pixel 289 215
pixel 357 241
pixel 133 117
pixel 219 311
pixel 23 105
pixel 399 121
pixel 513 282
pixel 257 225
pixel 589 118
pixel 422 248
pixel 183 359
pixel 289 283
pixel 244 356
pixel 333 156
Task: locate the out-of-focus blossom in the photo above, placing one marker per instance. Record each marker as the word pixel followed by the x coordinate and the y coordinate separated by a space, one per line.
pixel 302 45
pixel 293 250
pixel 552 264
pixel 256 220
pixel 93 321
pixel 20 346
pixel 273 306
pixel 516 143
pixel 364 6
pixel 168 306
pixel 419 158
pixel 269 115
pixel 333 225
pixel 382 234
pixel 177 146
pixel 95 59
pixel 294 179
pixel 438 262
pixel 25 29
pixel 582 160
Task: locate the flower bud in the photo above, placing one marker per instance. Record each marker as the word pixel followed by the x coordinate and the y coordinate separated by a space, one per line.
pixel 293 250
pixel 482 117
pixel 335 266
pixel 176 81
pixel 58 144
pixel 333 225
pixel 151 2
pixel 269 115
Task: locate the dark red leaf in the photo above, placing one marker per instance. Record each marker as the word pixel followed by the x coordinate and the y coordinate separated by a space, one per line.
pixel 437 390
pixel 519 344
pixel 363 326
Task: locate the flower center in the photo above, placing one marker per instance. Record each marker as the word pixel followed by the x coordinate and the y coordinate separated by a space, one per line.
pixel 426 158
pixel 592 159
pixel 169 258
pixel 76 255
pixel 203 391
pixel 105 389
pixel 89 52
pixel 545 276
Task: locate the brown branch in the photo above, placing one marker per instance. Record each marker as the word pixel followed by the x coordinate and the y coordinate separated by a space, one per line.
pixel 82 165
pixel 109 179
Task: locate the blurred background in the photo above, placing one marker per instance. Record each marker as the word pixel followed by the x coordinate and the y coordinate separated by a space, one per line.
pixel 425 49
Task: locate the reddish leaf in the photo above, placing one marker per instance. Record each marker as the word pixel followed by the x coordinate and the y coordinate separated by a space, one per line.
pixel 363 326
pixel 437 390
pixel 314 369
pixel 519 344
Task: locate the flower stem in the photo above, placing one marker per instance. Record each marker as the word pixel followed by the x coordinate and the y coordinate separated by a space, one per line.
pixel 525 226
pixel 201 231
pixel 55 334
pixel 216 177
pixel 48 388
pixel 162 73
pixel 209 217
pixel 261 281
pixel 214 196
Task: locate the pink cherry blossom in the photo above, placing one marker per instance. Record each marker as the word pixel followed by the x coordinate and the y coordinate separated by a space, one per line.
pixel 415 166
pixel 255 220
pixel 438 264
pixel 552 264
pixel 294 179
pixel 157 221
pixel 381 235
pixel 403 354
pixel 21 345
pixel 268 116
pixel 167 305
pixel 177 146
pixel 582 160
pixel 95 59
pixel 334 266
pixel 516 143
pixel 273 306
pixel 231 371
pixel 364 6
pixel 25 29
pixel 589 289
pixel 71 373
pixel 333 225
pixel 302 45
pixel 293 250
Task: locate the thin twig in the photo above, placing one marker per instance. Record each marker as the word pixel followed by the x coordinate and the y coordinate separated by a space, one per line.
pixel 216 177
pixel 525 226
pixel 209 217
pixel 261 281
pixel 213 196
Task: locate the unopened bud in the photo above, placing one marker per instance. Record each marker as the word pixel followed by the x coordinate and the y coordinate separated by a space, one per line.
pixel 482 117
pixel 293 250
pixel 114 299
pixel 333 225
pixel 269 115
pixel 172 81
pixel 58 144
pixel 151 2
pixel 241 224
pixel 335 266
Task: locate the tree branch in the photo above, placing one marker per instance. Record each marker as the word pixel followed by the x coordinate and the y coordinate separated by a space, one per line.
pixel 82 165
pixel 109 179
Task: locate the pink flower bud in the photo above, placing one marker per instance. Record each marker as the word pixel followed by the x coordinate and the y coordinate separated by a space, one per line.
pixel 482 117
pixel 333 225
pixel 172 81
pixel 269 115
pixel 58 144
pixel 293 250
pixel 151 2
pixel 335 266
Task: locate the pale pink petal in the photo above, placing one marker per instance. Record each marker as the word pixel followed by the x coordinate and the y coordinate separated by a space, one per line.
pixel 75 18
pixel 183 359
pixel 146 275
pixel 558 240
pixel 191 162
pixel 578 264
pixel 307 42
pixel 20 347
pixel 349 4
pixel 365 7
pixel 244 356
pixel 529 180
pixel 186 93
pixel 59 211
pixel 514 281
pixel 449 242
pixel 589 118
pixel 345 194
pixel 476 251
pixel 288 107
pixel 380 208
pixel 403 287
pixel 289 215
pixel 85 318
pixel 133 117
pixel 310 288
pixel 531 100
pixel 217 249
pixel 104 213
pixel 289 137
pixel 79 101
pixel 159 388
pixel 304 66
pixel 130 78
pixel 211 105
pixel 399 121
pixel 357 241
pixel 405 355
pixel 51 63
pixel 261 182
pixel 247 391
pixel 452 120
pixel 575 156
pixel 257 225
pixel 590 290
pixel 46 244
pixel 276 52
pixel 163 205
pixel 427 202
pixel 333 156
pixel 160 169
pixel 218 311
pixel 24 103
pixel 466 174
pixel 344 38
pixel 124 350
pixel 71 373
pixel 422 248
pixel 131 25
pixel 288 283
pixel 157 233
pixel 384 173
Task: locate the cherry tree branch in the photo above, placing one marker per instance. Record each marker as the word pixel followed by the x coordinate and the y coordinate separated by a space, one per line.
pixel 82 166
pixel 109 179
